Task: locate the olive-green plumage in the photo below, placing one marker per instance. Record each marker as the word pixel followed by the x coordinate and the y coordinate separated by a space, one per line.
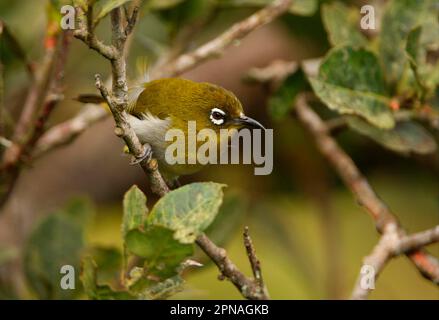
pixel 164 104
pixel 184 100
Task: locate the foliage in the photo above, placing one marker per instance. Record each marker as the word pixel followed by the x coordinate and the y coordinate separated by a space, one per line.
pixel 370 85
pixel 157 244
pixel 58 240
pixel 280 102
pixel 368 80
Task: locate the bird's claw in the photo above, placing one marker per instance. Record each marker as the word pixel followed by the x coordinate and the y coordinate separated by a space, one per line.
pixel 147 155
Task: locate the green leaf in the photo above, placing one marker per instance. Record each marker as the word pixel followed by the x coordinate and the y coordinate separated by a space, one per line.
pixel 304 7
pixel 89 277
pixel 425 74
pixel 188 210
pixel 162 253
pixel 342 25
pixel 134 210
pixel 414 54
pixel 57 241
pixel 405 137
pixel 350 82
pixel 370 106
pixel 106 6
pixel 9 41
pixel 398 20
pixel 413 44
pixel 356 69
pixel 282 100
pixel 108 261
pixel 91 287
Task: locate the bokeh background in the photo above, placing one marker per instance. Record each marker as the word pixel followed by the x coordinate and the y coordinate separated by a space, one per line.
pixel 309 232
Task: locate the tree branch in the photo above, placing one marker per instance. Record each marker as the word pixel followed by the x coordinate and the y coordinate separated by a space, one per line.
pixel 389 246
pixel 117 101
pixel 253 289
pixel 216 46
pixel 44 94
pixel 63 133
pixel 254 262
pixel 359 186
pixel 377 260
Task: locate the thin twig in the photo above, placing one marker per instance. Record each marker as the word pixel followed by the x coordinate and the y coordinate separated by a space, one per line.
pixel 275 72
pixel 85 32
pixel 232 35
pixel 63 133
pixel 254 261
pixel 249 288
pixel 359 186
pixel 53 97
pixel 417 240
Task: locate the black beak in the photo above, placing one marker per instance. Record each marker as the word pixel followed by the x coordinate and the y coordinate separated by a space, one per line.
pixel 248 122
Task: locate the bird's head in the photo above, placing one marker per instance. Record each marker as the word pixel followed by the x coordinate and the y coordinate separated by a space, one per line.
pixel 183 100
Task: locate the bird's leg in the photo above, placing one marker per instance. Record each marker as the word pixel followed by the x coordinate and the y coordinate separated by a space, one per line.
pixel 147 155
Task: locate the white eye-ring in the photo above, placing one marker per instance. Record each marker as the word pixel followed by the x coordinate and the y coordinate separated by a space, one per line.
pixel 217 116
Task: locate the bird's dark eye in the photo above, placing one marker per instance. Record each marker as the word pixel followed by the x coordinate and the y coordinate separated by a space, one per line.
pixel 217 116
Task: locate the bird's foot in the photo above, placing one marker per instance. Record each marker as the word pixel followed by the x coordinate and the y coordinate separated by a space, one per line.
pixel 147 155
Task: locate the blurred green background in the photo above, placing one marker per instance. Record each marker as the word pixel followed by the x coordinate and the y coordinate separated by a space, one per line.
pixel 309 233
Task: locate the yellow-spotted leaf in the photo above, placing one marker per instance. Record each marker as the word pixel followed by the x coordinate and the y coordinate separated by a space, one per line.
pixel 350 81
pixel 372 107
pixel 188 210
pixel 163 253
pixel 342 24
pixel 134 210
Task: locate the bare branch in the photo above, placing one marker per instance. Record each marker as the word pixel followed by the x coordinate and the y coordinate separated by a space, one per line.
pixel 391 245
pixel 230 36
pixel 44 94
pixel 85 32
pixel 63 133
pixel 380 255
pixel 53 97
pixel 278 70
pixel 417 240
pixel 254 261
pixel 131 21
pixel 275 72
pixel 250 288
pixel 359 186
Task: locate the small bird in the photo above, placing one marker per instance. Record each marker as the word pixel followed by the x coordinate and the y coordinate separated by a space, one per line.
pixel 155 107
